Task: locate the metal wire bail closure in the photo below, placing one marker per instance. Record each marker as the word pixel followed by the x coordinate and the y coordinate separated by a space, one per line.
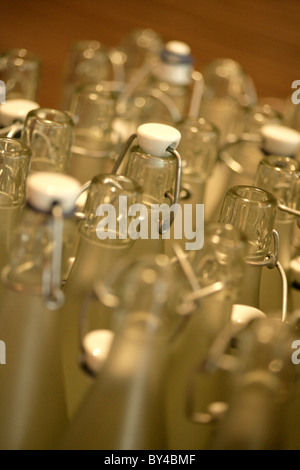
pixel 193 298
pixel 156 147
pixel 290 210
pixel 271 261
pixel 52 280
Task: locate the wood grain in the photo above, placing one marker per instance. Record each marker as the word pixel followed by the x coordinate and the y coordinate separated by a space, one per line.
pixel 263 35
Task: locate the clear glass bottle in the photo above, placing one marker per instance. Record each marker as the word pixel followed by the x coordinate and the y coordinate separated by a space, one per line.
pixel 95 257
pixel 125 408
pixel 33 407
pixel 15 162
pixel 238 159
pixel 199 148
pixel 279 175
pixel 96 142
pixel 228 93
pixel 156 165
pixel 20 69
pixel 49 134
pixel 262 385
pixel 252 211
pixel 218 269
pixel 162 94
pixel 90 62
pixel 140 48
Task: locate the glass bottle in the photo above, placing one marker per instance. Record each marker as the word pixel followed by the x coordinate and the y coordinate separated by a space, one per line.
pixel 33 408
pixel 49 134
pixel 140 48
pixel 262 385
pixel 124 409
pixel 14 162
pixel 20 70
pixel 252 211
pixel 238 159
pixel 102 242
pixel 228 92
pixel 162 94
pixel 199 148
pixel 96 142
pixel 218 269
pixel 279 175
pixel 156 166
pixel 91 62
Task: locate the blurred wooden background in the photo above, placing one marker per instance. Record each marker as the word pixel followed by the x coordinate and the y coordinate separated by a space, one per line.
pixel 263 35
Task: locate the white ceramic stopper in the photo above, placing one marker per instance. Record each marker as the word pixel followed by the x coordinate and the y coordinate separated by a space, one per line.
pixel 280 140
pixel 46 188
pixel 243 314
pixel 178 47
pixel 155 138
pixel 96 345
pixel 15 110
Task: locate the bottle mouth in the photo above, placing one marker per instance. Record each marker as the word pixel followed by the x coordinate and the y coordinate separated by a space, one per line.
pixel 10 147
pixel 20 57
pixel 252 195
pixel 117 183
pixel 286 165
pixel 253 211
pixel 50 117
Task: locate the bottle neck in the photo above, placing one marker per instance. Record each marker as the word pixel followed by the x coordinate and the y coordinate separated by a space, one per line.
pixel 175 74
pixel 34 264
pixel 156 175
pixel 285 229
pixel 15 159
pixel 250 287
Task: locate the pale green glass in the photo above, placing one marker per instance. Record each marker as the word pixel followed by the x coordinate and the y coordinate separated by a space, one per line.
pixel 262 385
pixel 87 62
pixel 20 69
pixel 156 176
pixel 238 160
pixel 280 176
pixel 33 411
pixel 96 143
pixel 198 148
pixel 222 260
pixel 49 134
pixel 125 408
pixel 228 92
pixel 15 161
pixel 93 261
pixel 252 211
pixel 139 47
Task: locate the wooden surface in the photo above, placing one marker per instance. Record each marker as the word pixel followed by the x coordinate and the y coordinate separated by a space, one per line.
pixel 263 35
